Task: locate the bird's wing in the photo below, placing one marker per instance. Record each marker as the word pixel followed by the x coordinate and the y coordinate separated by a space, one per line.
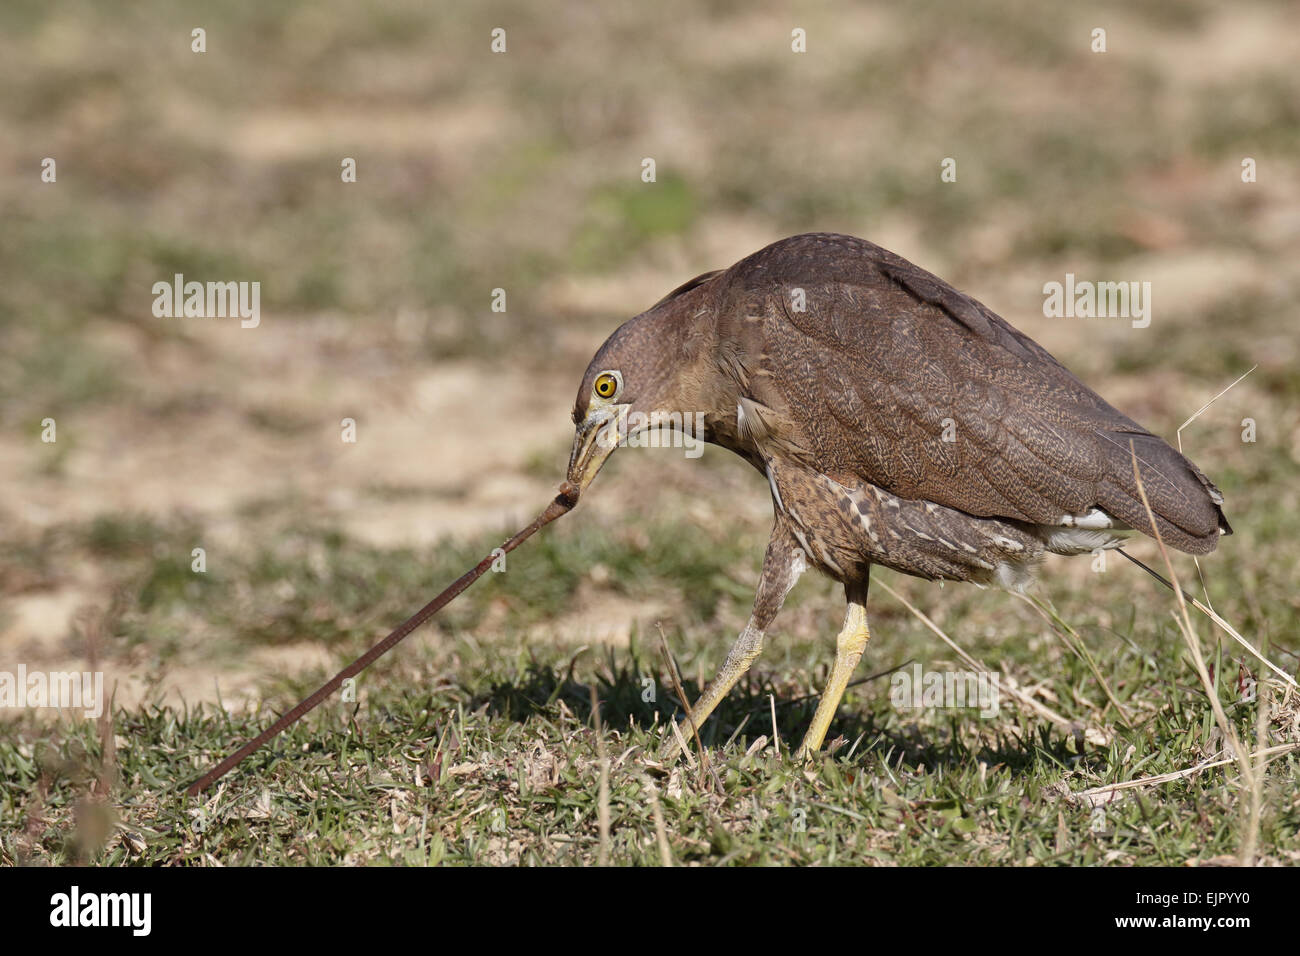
pixel 889 375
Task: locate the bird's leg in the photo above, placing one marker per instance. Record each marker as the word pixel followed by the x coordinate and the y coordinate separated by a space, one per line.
pixel 782 565
pixel 848 651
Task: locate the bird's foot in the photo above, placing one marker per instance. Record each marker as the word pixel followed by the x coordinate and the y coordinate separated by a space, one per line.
pixel 674 743
pixel 806 754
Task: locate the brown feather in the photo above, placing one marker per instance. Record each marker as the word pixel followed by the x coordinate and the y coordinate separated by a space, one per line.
pixel 885 352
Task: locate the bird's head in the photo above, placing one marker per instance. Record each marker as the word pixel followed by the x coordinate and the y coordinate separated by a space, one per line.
pixel 646 375
pixel 630 377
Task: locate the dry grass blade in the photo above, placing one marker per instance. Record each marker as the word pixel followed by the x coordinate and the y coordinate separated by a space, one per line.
pixel 1179 435
pixel 661 830
pixel 776 737
pixel 736 733
pixel 602 799
pixel 686 704
pixel 1197 414
pixel 1045 712
pixel 1091 795
pixel 1257 777
pixel 1075 643
pixel 1184 622
pixel 1213 616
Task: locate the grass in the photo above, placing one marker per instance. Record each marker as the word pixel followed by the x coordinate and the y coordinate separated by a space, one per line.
pixel 475 742
pixel 477 748
pixel 503 768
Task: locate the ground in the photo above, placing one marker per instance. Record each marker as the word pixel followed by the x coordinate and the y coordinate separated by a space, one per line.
pixel 474 742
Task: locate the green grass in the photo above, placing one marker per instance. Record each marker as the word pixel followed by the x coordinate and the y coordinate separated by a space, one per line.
pixel 477 746
pixel 497 762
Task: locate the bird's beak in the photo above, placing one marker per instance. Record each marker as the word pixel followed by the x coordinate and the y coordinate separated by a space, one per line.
pixel 595 440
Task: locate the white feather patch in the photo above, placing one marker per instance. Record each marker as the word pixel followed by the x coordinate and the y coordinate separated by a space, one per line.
pixel 1094 520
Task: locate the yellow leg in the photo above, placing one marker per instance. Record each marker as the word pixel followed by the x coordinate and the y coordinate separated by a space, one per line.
pixel 742 654
pixel 848 651
pixel 782 566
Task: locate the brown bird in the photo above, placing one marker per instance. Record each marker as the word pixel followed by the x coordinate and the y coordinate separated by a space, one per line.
pixel 897 422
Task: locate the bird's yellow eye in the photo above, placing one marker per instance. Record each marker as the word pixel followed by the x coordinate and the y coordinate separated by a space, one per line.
pixel 606 385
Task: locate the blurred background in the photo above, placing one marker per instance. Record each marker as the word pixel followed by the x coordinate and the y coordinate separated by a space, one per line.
pixel 522 171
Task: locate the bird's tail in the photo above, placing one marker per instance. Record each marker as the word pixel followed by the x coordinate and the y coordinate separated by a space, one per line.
pixel 1186 504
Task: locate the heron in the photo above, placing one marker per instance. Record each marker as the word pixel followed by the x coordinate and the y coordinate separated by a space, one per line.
pixel 896 421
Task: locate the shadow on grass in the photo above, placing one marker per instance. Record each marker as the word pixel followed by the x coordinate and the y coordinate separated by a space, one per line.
pixel 625 700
